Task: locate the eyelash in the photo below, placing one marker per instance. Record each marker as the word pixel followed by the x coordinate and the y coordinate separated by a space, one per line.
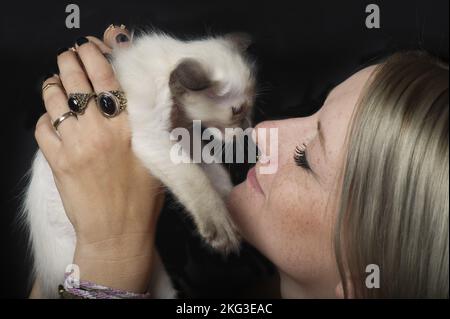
pixel 300 156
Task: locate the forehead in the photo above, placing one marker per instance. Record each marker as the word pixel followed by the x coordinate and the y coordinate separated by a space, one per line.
pixel 350 89
pixel 342 100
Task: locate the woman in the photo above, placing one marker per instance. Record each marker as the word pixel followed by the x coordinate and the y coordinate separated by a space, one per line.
pixel 362 182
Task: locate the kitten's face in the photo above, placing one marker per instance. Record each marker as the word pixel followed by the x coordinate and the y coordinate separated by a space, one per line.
pixel 217 86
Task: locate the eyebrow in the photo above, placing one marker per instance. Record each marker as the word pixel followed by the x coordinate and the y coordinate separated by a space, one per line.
pixel 321 141
pixel 322 144
pixel 319 128
pixel 321 138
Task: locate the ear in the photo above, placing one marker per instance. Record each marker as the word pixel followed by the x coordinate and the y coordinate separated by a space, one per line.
pixel 190 75
pixel 240 40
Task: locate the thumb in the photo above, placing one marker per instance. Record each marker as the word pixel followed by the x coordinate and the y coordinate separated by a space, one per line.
pixel 117 36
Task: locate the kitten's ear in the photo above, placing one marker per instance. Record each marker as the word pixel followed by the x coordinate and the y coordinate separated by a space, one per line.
pixel 240 40
pixel 191 75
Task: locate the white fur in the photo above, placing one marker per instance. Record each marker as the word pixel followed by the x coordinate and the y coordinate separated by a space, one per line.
pixel 143 71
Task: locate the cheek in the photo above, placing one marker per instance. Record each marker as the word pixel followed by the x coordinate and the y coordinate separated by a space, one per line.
pixel 296 231
pixel 292 227
pixel 292 210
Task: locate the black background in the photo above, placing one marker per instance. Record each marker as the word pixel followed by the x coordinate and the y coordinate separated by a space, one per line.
pixel 303 48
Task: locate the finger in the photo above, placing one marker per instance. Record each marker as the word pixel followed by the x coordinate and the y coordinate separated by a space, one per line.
pixel 101 45
pixel 106 50
pixel 99 71
pixel 55 102
pixel 75 80
pixel 46 137
pixel 117 36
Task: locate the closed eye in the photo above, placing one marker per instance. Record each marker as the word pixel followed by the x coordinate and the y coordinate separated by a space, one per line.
pixel 300 157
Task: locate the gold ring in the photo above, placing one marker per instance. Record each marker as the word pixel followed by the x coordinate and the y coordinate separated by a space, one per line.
pixel 110 27
pixel 48 85
pixel 62 118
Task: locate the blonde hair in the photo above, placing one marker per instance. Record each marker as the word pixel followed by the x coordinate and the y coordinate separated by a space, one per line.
pixel 394 203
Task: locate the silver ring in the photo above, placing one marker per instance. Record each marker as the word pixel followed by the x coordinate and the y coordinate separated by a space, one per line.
pixel 63 117
pixel 111 103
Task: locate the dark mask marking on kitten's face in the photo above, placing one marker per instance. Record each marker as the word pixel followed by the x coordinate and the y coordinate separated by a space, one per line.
pixel 188 75
pixel 191 77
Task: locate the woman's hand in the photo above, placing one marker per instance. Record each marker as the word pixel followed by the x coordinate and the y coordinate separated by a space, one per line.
pixel 110 198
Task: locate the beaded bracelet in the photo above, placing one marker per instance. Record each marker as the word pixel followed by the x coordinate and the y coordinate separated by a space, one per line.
pixel 89 290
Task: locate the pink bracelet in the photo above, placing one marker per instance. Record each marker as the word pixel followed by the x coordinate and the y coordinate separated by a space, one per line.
pixel 89 290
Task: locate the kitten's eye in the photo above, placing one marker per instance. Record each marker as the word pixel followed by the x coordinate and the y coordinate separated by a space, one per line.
pixel 300 156
pixel 236 110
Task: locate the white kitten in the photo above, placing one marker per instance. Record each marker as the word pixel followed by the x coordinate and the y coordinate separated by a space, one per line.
pixel 168 84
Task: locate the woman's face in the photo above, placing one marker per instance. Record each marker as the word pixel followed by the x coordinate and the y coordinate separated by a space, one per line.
pixel 286 216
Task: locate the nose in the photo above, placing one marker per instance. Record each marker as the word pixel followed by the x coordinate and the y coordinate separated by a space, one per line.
pixel 265 137
pixel 261 134
pixel 277 139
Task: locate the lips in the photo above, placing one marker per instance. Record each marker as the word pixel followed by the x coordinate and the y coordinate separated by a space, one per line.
pixel 253 180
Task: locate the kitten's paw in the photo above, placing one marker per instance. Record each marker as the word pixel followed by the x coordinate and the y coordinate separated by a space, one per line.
pixel 224 189
pixel 219 178
pixel 220 232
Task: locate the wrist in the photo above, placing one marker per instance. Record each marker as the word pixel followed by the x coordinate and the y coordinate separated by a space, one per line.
pixel 122 262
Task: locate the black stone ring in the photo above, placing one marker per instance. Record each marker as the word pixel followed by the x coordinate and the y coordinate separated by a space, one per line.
pixel 78 102
pixel 111 103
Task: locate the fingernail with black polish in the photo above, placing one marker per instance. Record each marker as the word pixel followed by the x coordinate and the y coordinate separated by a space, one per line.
pixel 120 38
pixel 81 41
pixel 61 50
